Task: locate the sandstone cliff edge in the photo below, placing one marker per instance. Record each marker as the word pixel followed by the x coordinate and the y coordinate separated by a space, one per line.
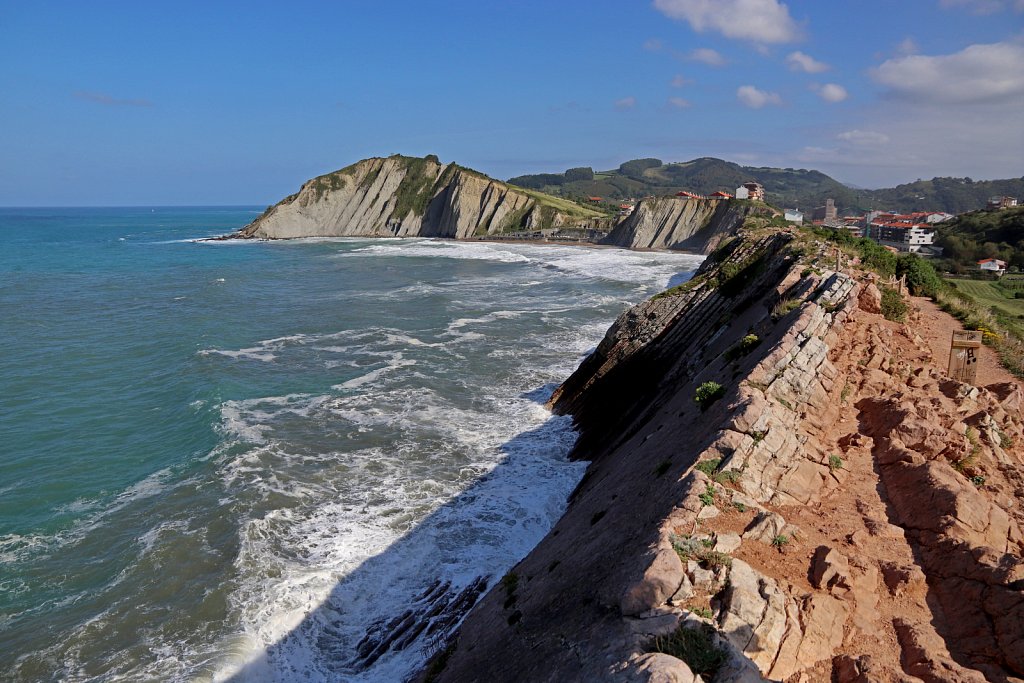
pixel 783 485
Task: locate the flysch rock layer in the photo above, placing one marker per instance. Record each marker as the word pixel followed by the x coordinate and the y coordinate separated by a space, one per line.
pixel 680 223
pixel 412 197
pixel 855 516
pixel 402 197
pixel 362 201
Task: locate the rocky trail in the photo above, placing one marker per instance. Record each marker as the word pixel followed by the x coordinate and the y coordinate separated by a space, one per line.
pixel 838 509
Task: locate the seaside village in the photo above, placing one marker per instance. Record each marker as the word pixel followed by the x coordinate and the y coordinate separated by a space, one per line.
pixel 900 232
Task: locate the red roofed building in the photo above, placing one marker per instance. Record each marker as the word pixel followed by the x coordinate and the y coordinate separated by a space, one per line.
pixel 593 199
pixel 901 231
pixel 992 265
pixel 720 195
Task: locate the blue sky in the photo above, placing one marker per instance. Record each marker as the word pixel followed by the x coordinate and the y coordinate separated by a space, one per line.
pixel 117 103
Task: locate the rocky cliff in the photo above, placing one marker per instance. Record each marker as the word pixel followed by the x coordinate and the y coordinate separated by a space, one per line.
pixel 783 485
pixel 682 223
pixel 411 197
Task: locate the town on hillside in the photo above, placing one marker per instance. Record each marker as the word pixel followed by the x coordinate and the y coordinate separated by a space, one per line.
pixel 900 232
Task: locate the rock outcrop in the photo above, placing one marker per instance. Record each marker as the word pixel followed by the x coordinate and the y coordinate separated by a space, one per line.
pixel 681 223
pixel 412 197
pixel 782 486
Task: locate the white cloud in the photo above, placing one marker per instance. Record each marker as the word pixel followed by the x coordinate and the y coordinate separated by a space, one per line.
pixel 832 92
pixel 679 80
pixel 754 98
pixel 706 55
pixel 984 6
pixel 863 137
pixel 625 103
pixel 678 103
pixel 978 72
pixel 763 21
pixel 798 61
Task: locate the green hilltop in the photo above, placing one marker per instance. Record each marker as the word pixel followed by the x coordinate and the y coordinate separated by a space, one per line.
pixel 785 187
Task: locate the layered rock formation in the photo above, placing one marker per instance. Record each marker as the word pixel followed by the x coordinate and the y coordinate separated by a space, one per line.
pixel 411 197
pixel 782 486
pixel 681 223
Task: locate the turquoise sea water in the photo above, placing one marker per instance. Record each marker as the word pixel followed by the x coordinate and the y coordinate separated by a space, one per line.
pixel 233 459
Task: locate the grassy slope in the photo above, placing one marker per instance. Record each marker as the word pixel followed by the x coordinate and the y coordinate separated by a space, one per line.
pixel 989 294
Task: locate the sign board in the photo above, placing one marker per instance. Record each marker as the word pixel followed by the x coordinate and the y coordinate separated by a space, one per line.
pixel 963 356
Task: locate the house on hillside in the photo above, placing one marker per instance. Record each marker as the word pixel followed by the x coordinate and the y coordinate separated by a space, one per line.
pixel 594 199
pixel 992 265
pixel 750 190
pixel 689 195
pixel 937 217
pixel 720 195
pixel 1001 202
pixel 793 216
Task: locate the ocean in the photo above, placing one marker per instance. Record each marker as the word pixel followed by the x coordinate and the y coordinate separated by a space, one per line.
pixel 248 460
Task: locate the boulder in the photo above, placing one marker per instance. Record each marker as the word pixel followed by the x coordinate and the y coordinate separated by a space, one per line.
pixel 870 299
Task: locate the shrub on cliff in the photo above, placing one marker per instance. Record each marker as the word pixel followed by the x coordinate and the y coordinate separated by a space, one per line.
pixel 708 393
pixel 695 647
pixel 742 347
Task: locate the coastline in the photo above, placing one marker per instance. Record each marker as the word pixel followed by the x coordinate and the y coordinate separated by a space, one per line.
pixel 651 546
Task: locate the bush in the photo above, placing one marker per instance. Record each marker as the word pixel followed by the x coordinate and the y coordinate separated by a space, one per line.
pixel 707 393
pixel 921 276
pixel 893 306
pixel 694 646
pixel 708 467
pixel 743 347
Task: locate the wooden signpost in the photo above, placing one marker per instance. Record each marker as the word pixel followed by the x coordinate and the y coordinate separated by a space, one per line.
pixel 963 356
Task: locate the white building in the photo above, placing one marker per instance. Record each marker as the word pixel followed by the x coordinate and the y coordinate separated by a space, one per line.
pixel 742 193
pixel 992 265
pixel 793 216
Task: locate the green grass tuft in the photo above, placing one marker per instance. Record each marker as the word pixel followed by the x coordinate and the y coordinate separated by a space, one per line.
pixel 695 647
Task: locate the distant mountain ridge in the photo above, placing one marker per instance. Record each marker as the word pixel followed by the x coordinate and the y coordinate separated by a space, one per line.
pixel 785 187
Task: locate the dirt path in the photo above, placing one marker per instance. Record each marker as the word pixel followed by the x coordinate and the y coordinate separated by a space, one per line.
pixel 936 328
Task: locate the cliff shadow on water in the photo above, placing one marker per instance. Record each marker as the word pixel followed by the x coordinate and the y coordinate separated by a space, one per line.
pixel 385 618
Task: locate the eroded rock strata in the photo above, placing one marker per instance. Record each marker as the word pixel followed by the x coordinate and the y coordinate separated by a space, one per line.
pixel 838 510
pixel 681 223
pixel 411 197
pixel 421 197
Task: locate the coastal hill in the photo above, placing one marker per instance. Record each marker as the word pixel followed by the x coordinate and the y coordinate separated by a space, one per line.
pixel 783 484
pixel 785 187
pixel 401 196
